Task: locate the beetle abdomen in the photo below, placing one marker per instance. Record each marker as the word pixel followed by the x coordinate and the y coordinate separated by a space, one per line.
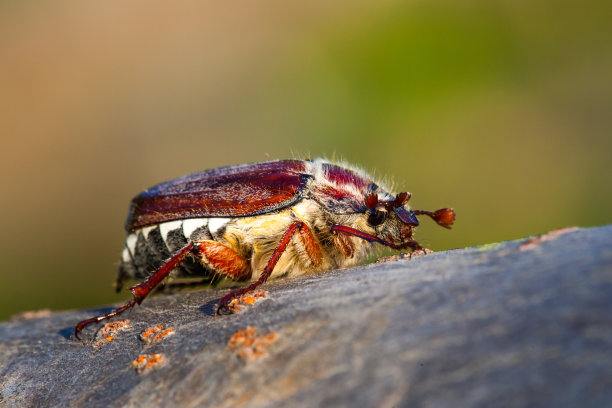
pixel 148 248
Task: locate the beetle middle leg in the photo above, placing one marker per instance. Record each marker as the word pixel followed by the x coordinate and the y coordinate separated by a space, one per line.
pixel 311 246
pixel 405 255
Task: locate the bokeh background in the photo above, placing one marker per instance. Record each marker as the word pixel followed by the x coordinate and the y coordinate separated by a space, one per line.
pixel 501 109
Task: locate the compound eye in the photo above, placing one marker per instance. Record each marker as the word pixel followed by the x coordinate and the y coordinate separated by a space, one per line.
pixel 377 217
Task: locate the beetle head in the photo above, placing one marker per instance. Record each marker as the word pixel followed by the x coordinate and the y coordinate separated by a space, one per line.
pixel 393 221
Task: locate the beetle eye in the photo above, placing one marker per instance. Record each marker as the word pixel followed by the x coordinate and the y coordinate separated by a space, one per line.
pixel 377 217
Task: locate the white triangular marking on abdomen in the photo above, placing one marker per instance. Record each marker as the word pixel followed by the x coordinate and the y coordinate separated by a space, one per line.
pixel 215 224
pixel 193 224
pixel 146 230
pixel 125 255
pixel 166 227
pixel 130 242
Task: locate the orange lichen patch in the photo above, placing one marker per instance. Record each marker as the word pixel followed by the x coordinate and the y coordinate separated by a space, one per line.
pixel 155 334
pixel 549 236
pixel 249 345
pixel 242 337
pixel 102 341
pixel 145 362
pixel 246 299
pixel 112 328
pixel 108 332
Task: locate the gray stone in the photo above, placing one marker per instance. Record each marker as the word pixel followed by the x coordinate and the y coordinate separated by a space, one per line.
pixel 507 325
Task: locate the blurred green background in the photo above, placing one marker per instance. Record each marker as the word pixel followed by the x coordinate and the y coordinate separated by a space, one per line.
pixel 500 109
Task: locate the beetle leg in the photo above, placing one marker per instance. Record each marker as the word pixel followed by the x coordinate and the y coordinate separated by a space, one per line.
pixel 405 255
pixel 183 284
pixel 141 290
pixel 312 249
pixel 311 245
pixel 345 245
pixel 222 259
pixel 218 257
pixel 372 238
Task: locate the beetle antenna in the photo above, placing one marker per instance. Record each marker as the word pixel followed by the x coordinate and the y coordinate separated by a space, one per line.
pixel 398 201
pixel 445 217
pixel 401 199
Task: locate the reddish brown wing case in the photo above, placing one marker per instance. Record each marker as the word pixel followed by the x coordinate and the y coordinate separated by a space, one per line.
pixel 235 191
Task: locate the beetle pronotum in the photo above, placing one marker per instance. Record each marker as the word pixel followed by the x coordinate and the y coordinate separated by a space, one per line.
pixel 258 221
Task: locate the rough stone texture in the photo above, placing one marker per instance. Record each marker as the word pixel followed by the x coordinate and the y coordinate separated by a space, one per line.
pixel 501 325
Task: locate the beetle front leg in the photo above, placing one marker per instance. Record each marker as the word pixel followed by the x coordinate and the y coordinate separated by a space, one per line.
pixel 405 255
pixel 417 249
pixel 415 246
pixel 311 246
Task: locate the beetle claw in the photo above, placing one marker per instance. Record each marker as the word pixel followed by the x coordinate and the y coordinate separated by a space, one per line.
pixel 223 310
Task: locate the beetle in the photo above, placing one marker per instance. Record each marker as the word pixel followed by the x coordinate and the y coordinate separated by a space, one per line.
pixel 257 221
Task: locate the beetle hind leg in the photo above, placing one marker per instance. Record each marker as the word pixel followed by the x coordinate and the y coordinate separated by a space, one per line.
pixel 188 283
pixel 220 258
pixel 84 323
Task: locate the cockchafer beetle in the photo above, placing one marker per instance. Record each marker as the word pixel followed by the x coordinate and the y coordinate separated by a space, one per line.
pixel 258 221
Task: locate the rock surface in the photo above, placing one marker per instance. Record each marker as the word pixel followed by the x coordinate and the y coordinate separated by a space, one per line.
pixel 519 323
